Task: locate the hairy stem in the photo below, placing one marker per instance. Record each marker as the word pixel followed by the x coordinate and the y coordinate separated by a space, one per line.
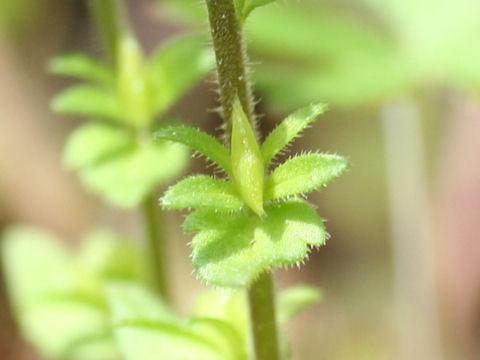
pixel 231 59
pixel 156 245
pixel 262 315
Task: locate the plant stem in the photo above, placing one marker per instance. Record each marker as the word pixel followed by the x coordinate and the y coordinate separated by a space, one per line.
pixel 231 59
pixel 106 16
pixel 262 316
pixel 156 245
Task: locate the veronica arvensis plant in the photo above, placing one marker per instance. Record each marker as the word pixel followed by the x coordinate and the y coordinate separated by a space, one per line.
pixel 254 219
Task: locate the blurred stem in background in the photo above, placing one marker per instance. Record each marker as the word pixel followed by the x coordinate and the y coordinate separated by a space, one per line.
pixel 106 15
pixel 111 17
pixel 157 244
pixel 413 250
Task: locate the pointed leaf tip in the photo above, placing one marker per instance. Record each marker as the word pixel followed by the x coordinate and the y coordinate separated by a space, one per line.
pixel 294 300
pixel 245 7
pixel 289 129
pixel 199 141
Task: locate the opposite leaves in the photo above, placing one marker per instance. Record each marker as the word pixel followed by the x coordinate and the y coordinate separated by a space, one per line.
pixel 138 90
pixel 241 231
pixel 115 155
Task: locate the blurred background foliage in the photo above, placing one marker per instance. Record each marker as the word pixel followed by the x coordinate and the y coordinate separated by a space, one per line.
pixel 364 58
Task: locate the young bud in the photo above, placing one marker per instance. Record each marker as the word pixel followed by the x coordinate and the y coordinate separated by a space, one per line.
pixel 247 163
pixel 131 81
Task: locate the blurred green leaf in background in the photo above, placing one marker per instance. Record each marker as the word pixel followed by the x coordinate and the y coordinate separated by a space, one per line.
pixel 114 152
pixel 59 297
pixel 322 50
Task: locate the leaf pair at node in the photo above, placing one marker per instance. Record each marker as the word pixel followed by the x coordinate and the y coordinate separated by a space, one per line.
pixel 254 220
pixel 114 152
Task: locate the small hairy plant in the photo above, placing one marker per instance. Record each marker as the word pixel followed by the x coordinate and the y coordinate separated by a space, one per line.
pixel 254 220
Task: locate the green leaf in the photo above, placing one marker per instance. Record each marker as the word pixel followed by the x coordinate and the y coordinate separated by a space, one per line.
pixel 226 304
pixel 104 255
pixel 198 141
pixel 88 101
pixel 302 174
pixel 33 262
pixel 224 334
pixel 232 249
pixel 81 66
pixel 298 68
pixel 200 220
pixel 292 301
pixel 95 346
pixel 250 5
pixel 176 67
pixel 45 288
pixel 247 163
pixel 129 301
pixel 69 323
pixel 202 191
pixel 288 130
pixel 239 4
pixel 145 330
pixel 126 179
pixel 295 68
pixel 230 307
pixel 95 142
pixel 152 340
